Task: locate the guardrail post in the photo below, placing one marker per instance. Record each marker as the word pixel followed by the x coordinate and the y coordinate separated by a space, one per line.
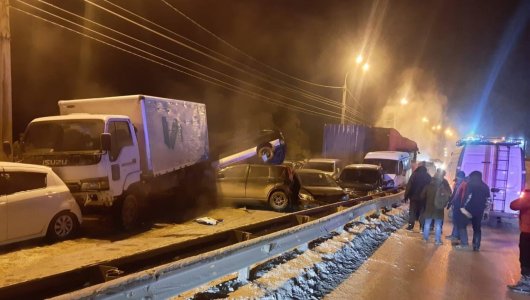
pixel 243 275
pixel 303 247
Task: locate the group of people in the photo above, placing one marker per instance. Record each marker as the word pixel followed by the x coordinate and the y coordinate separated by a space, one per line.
pixel 430 196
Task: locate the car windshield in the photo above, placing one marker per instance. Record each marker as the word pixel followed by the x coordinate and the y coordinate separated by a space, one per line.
pixel 359 176
pixel 63 136
pixel 316 179
pixel 388 165
pixel 322 166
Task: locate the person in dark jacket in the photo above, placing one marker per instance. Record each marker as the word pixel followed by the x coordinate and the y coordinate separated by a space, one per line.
pixel 418 180
pixel 455 203
pixel 523 206
pixel 475 200
pixel 438 187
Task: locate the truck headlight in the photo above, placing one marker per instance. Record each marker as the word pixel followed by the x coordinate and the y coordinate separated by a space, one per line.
pixel 95 184
pixel 305 196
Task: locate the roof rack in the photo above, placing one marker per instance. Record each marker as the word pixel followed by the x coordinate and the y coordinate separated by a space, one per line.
pixel 480 140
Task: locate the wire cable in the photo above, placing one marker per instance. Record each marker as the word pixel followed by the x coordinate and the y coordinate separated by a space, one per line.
pixel 165 51
pixel 253 74
pixel 235 88
pixel 244 53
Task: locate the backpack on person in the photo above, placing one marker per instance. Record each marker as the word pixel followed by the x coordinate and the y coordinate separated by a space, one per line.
pixel 442 197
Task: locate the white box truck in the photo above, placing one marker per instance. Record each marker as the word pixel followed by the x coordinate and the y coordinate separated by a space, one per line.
pixel 502 164
pixel 115 152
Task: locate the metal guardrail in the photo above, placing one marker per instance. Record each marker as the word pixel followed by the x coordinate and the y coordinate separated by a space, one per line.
pixel 177 277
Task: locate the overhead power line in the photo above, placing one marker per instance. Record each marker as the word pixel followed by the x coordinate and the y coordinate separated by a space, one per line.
pixel 208 79
pixel 244 53
pixel 165 51
pixel 254 73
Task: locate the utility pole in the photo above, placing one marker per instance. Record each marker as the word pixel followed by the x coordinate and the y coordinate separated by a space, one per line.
pixel 6 120
pixel 344 98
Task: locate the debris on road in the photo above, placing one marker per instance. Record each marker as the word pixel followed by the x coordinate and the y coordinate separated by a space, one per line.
pixel 208 221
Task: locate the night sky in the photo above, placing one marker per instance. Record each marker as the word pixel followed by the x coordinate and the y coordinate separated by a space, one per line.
pixel 451 46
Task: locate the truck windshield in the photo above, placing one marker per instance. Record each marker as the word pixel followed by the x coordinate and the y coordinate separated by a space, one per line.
pixel 316 179
pixel 322 166
pixel 388 165
pixel 63 136
pixel 359 176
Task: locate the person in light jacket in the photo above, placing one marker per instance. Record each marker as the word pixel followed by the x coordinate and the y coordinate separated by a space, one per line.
pixel 523 206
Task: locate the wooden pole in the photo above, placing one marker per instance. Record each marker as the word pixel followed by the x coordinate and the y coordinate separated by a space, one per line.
pixel 6 121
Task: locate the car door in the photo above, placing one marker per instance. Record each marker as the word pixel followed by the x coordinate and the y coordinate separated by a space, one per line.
pixel 231 182
pixel 259 182
pixel 3 206
pixel 124 156
pixel 27 205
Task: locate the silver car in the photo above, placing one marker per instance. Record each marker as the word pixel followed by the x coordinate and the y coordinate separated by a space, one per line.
pixel 256 184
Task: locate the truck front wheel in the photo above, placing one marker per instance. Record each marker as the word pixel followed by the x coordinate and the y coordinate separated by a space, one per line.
pixel 279 201
pixel 130 212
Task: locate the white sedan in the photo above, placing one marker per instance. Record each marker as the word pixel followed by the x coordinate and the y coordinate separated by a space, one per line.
pixel 34 202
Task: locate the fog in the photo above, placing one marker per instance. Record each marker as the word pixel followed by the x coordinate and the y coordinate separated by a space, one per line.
pixel 421 116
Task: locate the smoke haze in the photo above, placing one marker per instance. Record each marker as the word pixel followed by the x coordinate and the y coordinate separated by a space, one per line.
pixel 421 116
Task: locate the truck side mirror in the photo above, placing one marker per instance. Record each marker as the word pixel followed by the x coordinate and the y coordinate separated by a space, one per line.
pixel 106 142
pixel 7 148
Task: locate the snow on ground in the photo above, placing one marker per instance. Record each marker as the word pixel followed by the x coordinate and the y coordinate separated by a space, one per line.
pixel 405 267
pixel 313 273
pixel 25 261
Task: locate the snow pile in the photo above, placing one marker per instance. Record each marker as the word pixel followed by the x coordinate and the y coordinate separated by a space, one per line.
pixel 313 273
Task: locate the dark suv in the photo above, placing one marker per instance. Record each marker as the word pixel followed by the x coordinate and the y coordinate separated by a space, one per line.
pixel 360 180
pixel 256 184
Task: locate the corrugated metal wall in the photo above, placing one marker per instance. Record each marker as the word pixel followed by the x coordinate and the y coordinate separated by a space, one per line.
pixel 346 142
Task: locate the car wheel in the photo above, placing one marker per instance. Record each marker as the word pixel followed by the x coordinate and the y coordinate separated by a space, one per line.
pixel 63 226
pixel 279 201
pixel 265 150
pixel 279 155
pixel 130 212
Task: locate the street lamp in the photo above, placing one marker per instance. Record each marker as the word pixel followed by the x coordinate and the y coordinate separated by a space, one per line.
pixel 365 68
pixel 404 101
pixel 425 120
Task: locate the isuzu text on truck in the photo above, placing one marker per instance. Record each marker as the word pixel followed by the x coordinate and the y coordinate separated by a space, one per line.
pixel 114 153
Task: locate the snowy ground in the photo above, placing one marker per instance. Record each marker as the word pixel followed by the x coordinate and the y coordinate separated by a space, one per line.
pixel 25 261
pixel 313 273
pixel 405 267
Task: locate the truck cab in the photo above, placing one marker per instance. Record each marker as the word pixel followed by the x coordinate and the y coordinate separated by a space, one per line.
pixel 396 165
pixel 96 155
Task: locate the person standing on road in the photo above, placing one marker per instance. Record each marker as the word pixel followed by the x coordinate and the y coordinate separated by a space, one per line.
pixel 455 203
pixel 523 206
pixel 418 180
pixel 436 194
pixel 476 197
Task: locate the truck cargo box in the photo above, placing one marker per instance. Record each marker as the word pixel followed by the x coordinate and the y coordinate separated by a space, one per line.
pixel 172 134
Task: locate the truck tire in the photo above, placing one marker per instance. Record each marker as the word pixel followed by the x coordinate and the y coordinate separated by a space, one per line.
pixel 130 212
pixel 279 201
pixel 265 150
pixel 62 227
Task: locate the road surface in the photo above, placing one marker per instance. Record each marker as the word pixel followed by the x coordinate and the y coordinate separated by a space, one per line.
pixel 404 267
